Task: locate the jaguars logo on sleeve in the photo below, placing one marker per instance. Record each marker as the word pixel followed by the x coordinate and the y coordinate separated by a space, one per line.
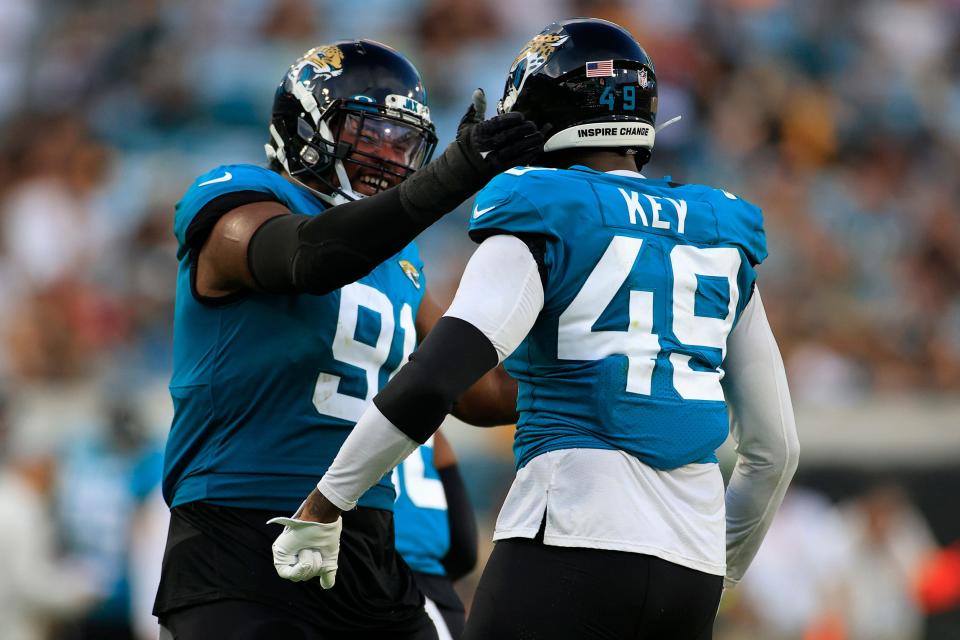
pixel 412 273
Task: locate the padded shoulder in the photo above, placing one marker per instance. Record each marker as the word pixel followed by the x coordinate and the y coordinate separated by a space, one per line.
pixel 742 222
pixel 507 203
pixel 222 181
pixel 739 221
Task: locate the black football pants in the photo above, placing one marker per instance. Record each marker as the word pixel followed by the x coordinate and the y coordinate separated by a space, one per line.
pixel 246 620
pixel 532 591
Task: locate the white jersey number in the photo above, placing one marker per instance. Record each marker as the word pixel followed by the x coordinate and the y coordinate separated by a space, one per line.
pixel 326 395
pixel 424 492
pixel 576 339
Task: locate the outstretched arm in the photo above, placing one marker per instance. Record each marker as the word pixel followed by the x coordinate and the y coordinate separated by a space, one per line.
pixel 755 386
pixel 251 242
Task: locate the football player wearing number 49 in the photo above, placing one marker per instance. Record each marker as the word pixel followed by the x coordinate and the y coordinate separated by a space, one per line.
pixel 627 309
pixel 299 294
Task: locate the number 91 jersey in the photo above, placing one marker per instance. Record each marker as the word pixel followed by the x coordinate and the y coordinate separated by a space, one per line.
pixel 645 280
pixel 421 527
pixel 266 387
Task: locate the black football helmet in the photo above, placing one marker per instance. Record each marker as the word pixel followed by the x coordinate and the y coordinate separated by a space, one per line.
pixel 589 84
pixel 356 103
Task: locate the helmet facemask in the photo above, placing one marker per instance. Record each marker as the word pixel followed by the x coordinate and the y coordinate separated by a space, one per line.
pixel 357 150
pixel 349 120
pixel 379 152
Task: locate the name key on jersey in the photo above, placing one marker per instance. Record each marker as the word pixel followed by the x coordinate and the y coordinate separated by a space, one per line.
pixel 636 211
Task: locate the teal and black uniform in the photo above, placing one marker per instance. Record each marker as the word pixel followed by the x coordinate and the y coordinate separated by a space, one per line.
pixel 644 280
pixel 266 387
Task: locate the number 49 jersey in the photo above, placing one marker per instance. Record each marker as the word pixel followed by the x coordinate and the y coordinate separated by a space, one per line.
pixel 645 280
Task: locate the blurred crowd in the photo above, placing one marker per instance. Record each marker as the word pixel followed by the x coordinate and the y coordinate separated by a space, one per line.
pixel 840 119
pixel 862 569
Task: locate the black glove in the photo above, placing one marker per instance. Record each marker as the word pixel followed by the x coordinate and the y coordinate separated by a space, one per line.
pixel 499 143
pixel 483 149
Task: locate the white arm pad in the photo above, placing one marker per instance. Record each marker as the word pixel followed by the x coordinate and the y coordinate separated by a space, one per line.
pixel 500 292
pixel 373 448
pixel 755 386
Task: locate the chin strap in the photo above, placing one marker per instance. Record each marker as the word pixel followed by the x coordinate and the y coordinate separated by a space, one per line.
pixel 339 195
pixel 345 193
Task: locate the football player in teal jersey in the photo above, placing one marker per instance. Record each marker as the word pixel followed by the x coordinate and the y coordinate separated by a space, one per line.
pixel 628 311
pixel 436 532
pixel 299 294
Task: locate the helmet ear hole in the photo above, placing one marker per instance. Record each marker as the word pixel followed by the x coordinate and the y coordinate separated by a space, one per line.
pixel 310 155
pixel 304 130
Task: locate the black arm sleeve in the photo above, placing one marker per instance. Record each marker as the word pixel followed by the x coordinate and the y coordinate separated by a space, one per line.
pixel 461 558
pixel 318 254
pixel 325 252
pixel 454 355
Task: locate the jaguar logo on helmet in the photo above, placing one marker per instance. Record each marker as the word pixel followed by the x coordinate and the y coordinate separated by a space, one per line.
pixel 534 55
pixel 319 63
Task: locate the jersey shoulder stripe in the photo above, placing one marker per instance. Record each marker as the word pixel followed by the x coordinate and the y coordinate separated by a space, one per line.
pixel 222 181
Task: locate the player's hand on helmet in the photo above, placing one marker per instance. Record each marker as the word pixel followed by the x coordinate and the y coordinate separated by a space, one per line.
pixel 499 143
pixel 483 149
pixel 306 550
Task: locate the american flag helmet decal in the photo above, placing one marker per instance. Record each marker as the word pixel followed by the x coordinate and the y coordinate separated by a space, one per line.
pixel 600 68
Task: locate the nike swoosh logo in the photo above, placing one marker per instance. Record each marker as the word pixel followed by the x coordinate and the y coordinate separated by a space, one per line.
pixel 226 176
pixel 479 212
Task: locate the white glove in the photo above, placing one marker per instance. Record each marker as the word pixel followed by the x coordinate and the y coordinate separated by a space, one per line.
pixel 306 550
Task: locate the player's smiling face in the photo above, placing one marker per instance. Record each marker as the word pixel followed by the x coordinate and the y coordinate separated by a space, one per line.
pixel 384 152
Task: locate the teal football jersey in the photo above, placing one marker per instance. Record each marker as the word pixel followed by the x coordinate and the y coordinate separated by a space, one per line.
pixel 645 280
pixel 420 514
pixel 266 387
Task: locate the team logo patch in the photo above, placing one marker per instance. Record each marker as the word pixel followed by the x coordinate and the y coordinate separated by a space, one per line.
pixel 410 271
pixel 533 56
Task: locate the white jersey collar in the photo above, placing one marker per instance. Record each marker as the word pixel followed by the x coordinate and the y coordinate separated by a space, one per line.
pixel 627 173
